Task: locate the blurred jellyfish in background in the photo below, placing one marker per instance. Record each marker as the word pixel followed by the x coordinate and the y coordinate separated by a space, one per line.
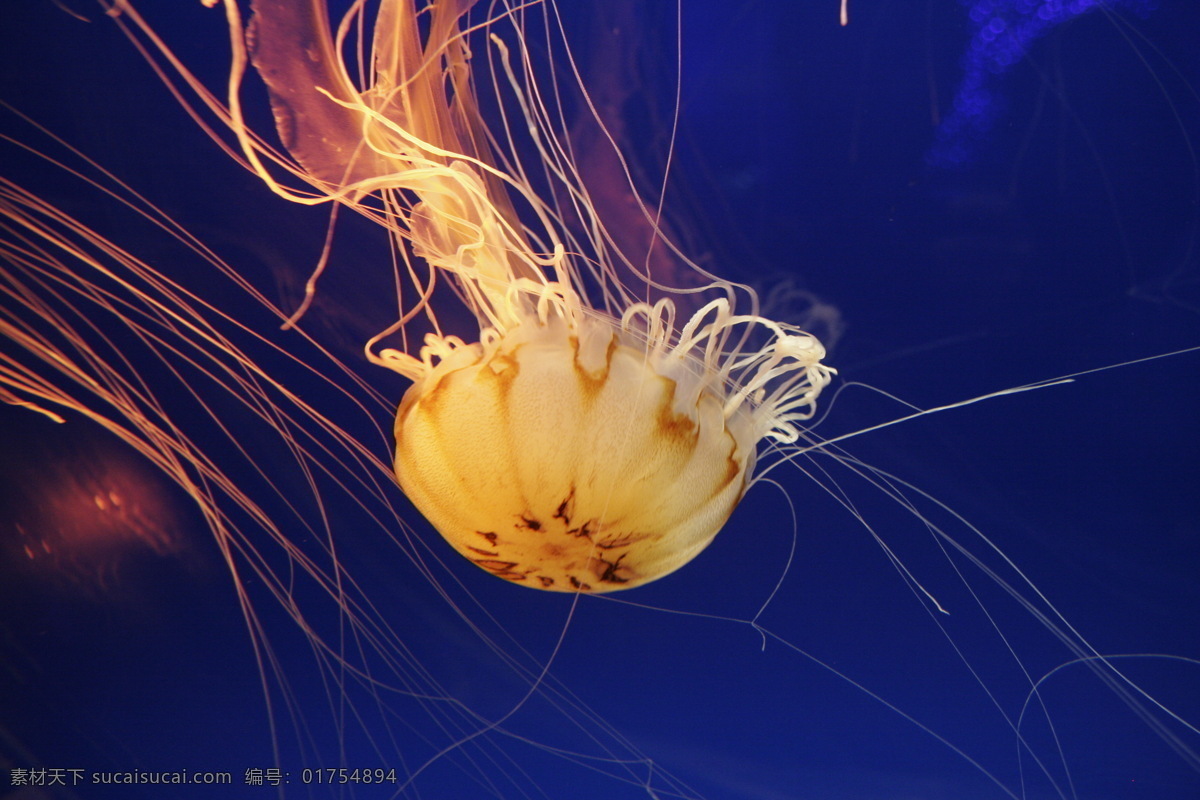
pixel 83 523
pixel 1002 33
pixel 879 618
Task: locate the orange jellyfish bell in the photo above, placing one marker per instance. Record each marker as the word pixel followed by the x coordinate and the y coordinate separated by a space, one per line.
pixel 573 447
pixel 571 453
pixel 559 455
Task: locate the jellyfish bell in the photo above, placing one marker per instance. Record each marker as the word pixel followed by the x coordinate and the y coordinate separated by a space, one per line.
pixel 573 455
pixel 82 513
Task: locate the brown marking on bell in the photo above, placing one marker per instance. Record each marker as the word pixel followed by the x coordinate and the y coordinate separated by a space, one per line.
pixel 530 523
pixel 611 540
pixel 673 425
pixel 505 368
pixel 590 385
pixel 501 569
pixel 566 508
pixel 546 581
pixel 580 585
pixel 494 565
pixel 491 537
pixel 584 531
pixel 732 470
pixel 431 398
pixel 481 552
pixel 610 571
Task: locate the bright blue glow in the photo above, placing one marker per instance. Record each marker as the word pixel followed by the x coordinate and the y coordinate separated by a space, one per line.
pixel 1002 31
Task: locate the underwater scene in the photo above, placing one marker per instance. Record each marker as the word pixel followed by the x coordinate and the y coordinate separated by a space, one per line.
pixel 907 310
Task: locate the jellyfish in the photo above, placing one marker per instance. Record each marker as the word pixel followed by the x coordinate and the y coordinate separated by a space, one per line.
pixel 816 645
pixel 579 445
